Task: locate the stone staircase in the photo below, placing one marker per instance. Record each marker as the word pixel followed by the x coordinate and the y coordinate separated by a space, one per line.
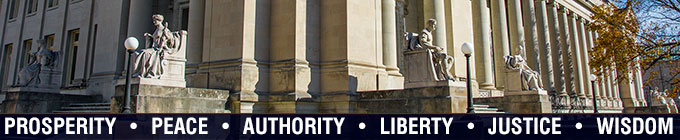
pixel 85 108
pixel 486 109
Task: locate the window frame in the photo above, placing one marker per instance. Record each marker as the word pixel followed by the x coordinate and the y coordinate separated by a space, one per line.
pixel 52 3
pixel 31 7
pixel 26 52
pixel 13 7
pixel 71 59
pixel 6 62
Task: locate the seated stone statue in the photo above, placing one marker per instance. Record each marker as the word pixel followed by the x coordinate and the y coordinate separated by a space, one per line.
pixel 43 58
pixel 530 79
pixel 150 61
pixel 658 98
pixel 441 61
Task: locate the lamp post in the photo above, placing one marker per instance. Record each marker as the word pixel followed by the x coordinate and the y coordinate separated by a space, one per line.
pixel 131 45
pixel 593 77
pixel 467 50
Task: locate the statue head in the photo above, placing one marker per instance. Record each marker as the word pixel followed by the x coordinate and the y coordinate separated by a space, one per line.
pixel 43 44
pixel 431 24
pixel 44 55
pixel 157 19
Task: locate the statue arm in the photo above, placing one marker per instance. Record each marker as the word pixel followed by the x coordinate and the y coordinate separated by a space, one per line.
pixel 428 44
pixel 424 42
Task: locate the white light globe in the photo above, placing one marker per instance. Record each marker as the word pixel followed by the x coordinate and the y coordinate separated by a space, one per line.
pixel 593 77
pixel 131 43
pixel 467 48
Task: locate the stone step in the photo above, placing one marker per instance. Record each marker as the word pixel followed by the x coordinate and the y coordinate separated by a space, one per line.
pixel 87 108
pixel 486 109
pixel 481 106
pixel 489 111
pixel 89 104
pixel 81 111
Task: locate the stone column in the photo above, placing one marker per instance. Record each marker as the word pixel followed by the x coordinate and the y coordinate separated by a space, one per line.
pixel 195 41
pixel 616 94
pixel 577 75
pixel 440 16
pixel 628 94
pixel 556 46
pixel 610 90
pixel 500 37
pixel 596 90
pixel 290 74
pixel 532 50
pixel 195 30
pixel 545 46
pixel 639 87
pixel 587 85
pixel 603 91
pixel 515 24
pixel 591 45
pixel 389 33
pixel 482 35
pixel 230 47
pixel 565 39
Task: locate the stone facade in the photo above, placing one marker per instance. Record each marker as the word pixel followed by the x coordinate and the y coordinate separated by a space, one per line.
pixel 329 56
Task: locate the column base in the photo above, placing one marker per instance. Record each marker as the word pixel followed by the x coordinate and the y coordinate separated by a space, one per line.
pixel 487 86
pixel 560 103
pixel 390 82
pixel 295 102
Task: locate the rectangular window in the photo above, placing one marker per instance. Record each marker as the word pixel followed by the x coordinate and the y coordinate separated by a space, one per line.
pixel 52 3
pixel 26 53
pixel 185 19
pixel 73 37
pixel 32 6
pixel 13 9
pixel 50 41
pixel 6 59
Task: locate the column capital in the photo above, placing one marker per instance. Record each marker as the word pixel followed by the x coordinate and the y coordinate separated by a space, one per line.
pixel 572 14
pixel 552 3
pixel 561 9
pixel 581 19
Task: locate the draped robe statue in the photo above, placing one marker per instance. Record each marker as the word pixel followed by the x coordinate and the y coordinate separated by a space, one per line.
pixel 43 58
pixel 530 79
pixel 150 61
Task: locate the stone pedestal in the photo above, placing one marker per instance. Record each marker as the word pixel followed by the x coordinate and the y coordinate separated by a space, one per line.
pixel 419 72
pixel 441 99
pixel 524 101
pixel 163 99
pixel 40 100
pixel 656 109
pixel 513 81
pixel 534 101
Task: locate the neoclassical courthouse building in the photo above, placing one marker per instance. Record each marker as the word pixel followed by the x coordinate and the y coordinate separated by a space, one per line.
pixel 327 56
